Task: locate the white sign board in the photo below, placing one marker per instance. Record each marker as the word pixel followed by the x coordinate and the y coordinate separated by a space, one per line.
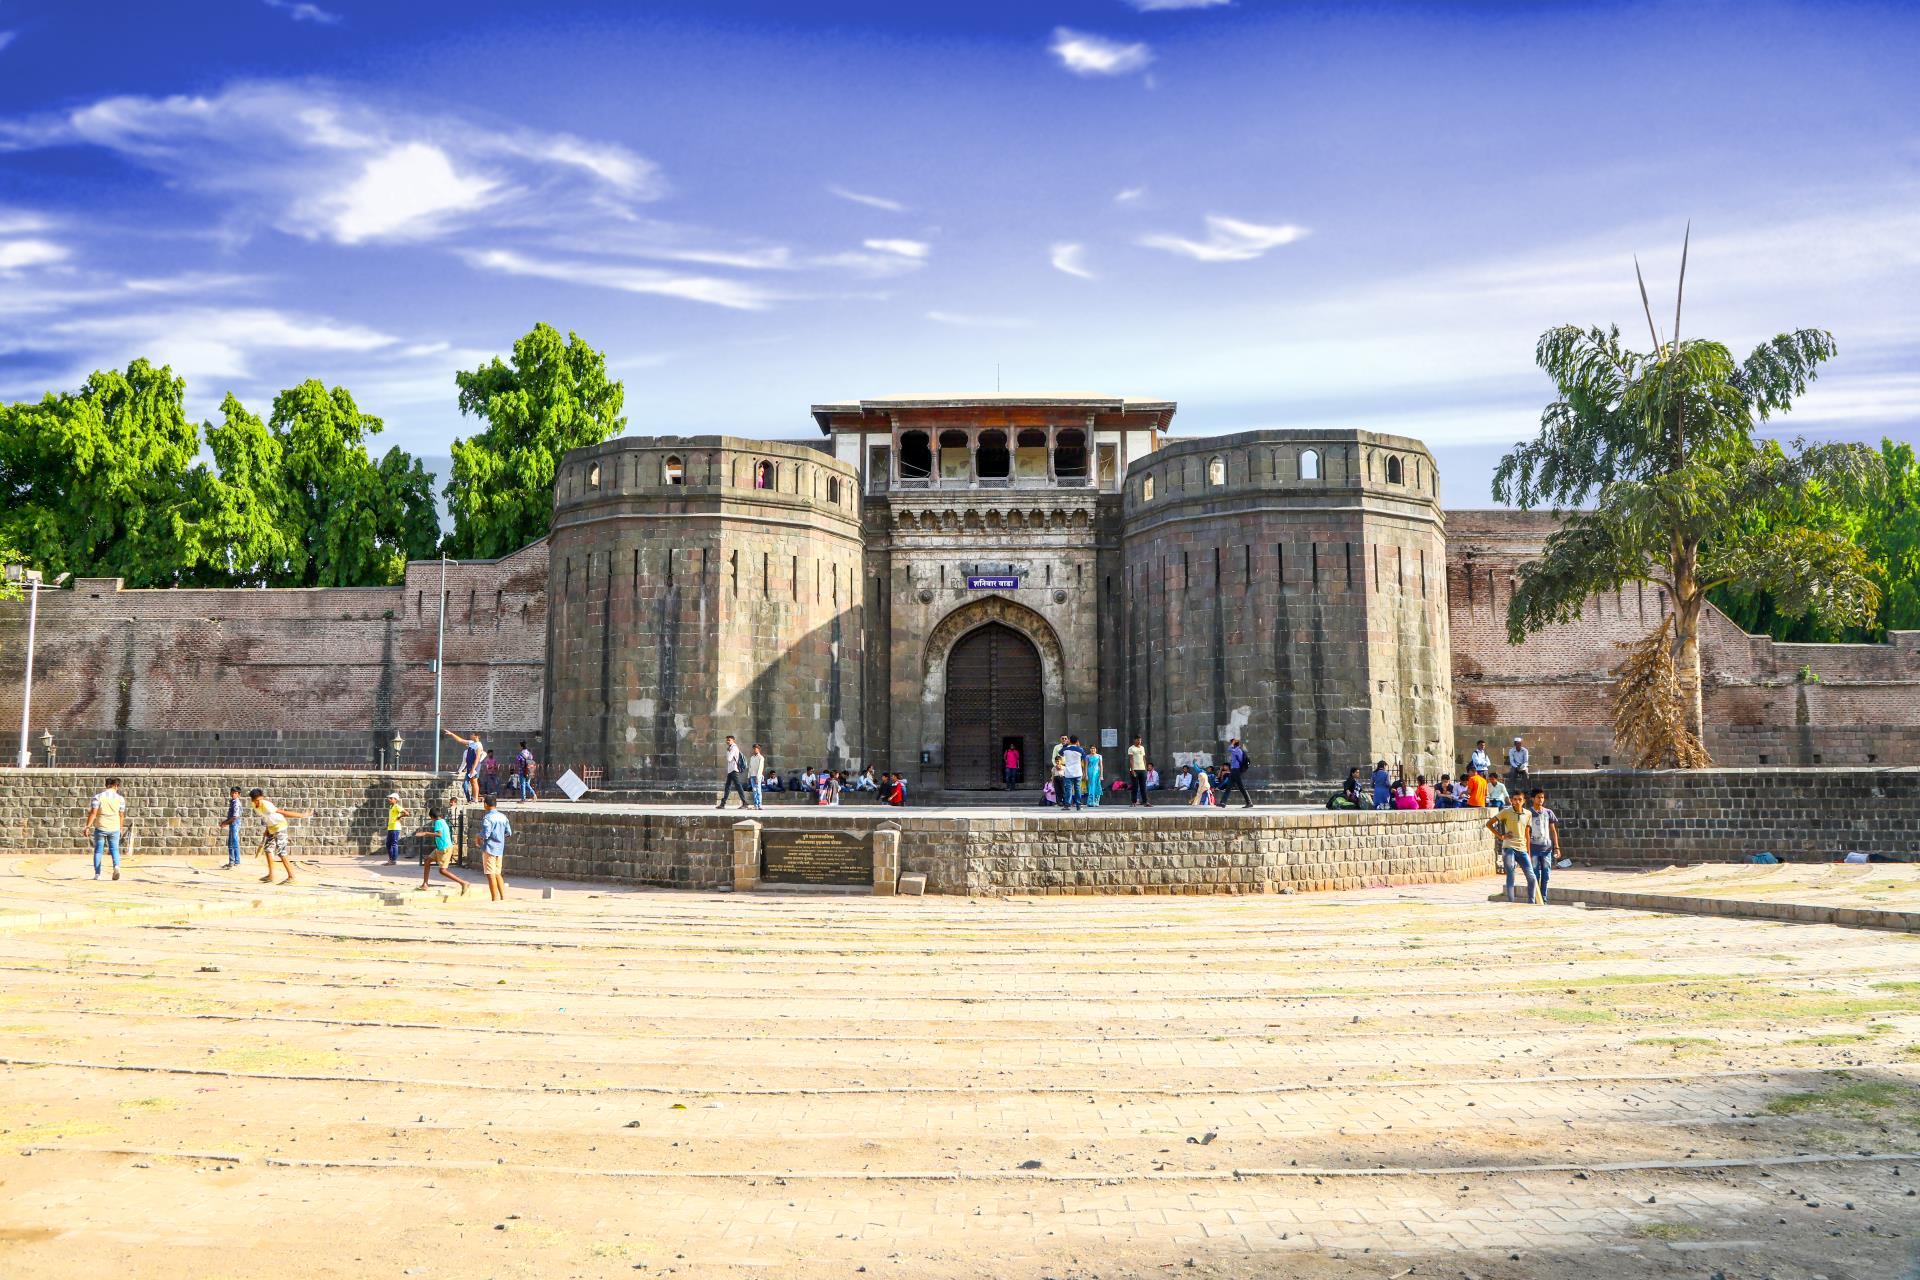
pixel 1109 737
pixel 570 783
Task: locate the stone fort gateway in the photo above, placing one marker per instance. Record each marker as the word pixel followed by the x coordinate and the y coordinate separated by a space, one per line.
pixel 923 583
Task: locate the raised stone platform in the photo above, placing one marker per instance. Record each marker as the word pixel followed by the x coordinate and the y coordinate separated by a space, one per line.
pixel 997 852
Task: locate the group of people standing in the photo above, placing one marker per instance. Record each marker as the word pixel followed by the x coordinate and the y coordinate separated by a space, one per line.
pixel 1077 775
pixel 750 777
pixel 480 772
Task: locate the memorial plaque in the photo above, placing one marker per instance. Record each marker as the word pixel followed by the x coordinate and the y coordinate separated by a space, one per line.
pixel 810 855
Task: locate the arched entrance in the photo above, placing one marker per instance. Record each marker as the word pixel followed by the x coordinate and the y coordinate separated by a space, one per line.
pixel 994 700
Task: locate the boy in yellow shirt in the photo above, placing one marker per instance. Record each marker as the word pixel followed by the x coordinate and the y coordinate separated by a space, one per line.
pixel 395 812
pixel 1511 827
pixel 274 844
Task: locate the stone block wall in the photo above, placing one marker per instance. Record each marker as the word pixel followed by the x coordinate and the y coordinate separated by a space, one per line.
pixel 1285 587
pixel 175 812
pixel 1259 852
pixel 281 678
pixel 687 610
pixel 1761 709
pixel 1799 814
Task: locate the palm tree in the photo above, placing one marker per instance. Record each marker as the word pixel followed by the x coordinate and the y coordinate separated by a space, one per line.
pixel 1652 461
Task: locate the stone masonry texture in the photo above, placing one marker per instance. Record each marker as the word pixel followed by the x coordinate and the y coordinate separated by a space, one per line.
pixel 1670 816
pixel 175 813
pixel 1258 852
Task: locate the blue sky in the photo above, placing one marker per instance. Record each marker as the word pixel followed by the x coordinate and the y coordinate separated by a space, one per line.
pixel 1278 214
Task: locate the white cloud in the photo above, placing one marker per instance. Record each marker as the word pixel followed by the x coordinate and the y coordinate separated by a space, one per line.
pixel 1169 6
pixel 715 290
pixel 1091 55
pixel 265 148
pixel 964 321
pixel 214 342
pixel 1070 258
pixel 301 11
pixel 873 202
pixel 1129 195
pixel 409 192
pixel 915 249
pixel 1228 240
pixel 18 254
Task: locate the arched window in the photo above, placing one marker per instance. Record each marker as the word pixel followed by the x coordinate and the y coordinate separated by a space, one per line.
pixel 993 460
pixel 956 457
pixel 1146 489
pixel 765 474
pixel 916 456
pixel 1030 455
pixel 593 476
pixel 1216 471
pixel 833 490
pixel 1309 465
pixel 671 472
pixel 1393 471
pixel 1070 456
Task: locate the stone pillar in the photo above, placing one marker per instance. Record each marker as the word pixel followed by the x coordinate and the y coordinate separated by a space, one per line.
pixel 746 855
pixel 886 858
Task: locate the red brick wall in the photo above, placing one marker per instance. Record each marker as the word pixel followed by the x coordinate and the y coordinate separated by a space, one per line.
pixel 1554 686
pixel 290 677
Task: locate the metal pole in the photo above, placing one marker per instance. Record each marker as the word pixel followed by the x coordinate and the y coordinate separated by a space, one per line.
pixel 26 694
pixel 440 663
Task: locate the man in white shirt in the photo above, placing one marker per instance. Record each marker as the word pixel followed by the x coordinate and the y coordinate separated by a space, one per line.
pixel 757 775
pixel 1073 771
pixel 1517 760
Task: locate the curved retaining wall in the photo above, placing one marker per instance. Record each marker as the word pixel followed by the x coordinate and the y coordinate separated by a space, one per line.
pixel 1264 851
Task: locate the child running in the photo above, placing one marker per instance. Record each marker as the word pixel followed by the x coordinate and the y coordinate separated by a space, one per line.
pixel 274 843
pixel 442 850
pixel 492 842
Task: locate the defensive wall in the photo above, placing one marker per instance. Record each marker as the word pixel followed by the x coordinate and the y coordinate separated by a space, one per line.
pixel 175 813
pixel 1763 705
pixel 1189 852
pixel 1671 816
pixel 319 678
pixel 704 585
pixel 1288 588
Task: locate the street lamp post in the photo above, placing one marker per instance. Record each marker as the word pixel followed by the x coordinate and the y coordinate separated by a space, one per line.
pixel 439 664
pixel 31 579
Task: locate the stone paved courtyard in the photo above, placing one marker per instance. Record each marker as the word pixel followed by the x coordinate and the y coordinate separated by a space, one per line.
pixel 609 1082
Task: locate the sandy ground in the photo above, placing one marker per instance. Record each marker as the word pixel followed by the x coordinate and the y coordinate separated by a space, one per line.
pixel 1389 1083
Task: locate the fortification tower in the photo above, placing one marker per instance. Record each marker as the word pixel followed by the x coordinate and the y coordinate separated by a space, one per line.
pixel 701 586
pixel 1289 588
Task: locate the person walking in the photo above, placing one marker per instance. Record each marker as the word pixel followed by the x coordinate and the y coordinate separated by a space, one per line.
pixel 1510 827
pixel 470 762
pixel 442 852
pixel 733 783
pixel 1382 786
pixel 1518 758
pixel 1543 838
pixel 275 843
pixel 523 768
pixel 1137 771
pixel 757 776
pixel 1096 775
pixel 395 812
pixel 1073 773
pixel 232 824
pixel 492 843
pixel 1236 774
pixel 1010 765
pixel 106 819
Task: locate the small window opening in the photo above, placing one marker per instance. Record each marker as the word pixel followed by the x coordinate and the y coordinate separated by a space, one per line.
pixel 672 472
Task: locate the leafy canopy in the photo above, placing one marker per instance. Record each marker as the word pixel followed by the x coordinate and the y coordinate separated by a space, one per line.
pixel 555 396
pixel 1659 453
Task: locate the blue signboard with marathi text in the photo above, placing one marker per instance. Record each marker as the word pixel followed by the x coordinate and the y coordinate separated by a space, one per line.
pixel 975 583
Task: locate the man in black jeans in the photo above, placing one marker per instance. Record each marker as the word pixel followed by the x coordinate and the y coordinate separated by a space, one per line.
pixel 1137 771
pixel 1236 774
pixel 733 782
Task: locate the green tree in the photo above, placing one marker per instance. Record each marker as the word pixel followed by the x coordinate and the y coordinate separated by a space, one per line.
pixel 246 534
pixel 99 482
pixel 555 396
pixel 1682 494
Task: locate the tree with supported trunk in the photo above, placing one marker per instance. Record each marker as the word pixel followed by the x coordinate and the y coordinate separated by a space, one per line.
pixel 1651 460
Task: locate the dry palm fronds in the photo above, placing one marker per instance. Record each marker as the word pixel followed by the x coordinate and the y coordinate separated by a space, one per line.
pixel 1649 716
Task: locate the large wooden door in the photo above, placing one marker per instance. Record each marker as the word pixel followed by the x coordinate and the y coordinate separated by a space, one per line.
pixel 993 698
